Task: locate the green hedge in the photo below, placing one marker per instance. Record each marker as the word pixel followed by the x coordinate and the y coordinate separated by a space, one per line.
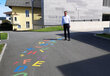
pixel 49 29
pixel 104 35
pixel 3 36
pixel 1 47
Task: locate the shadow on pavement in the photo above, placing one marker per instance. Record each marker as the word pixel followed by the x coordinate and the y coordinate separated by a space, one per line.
pixel 99 66
pixel 50 39
pixel 90 39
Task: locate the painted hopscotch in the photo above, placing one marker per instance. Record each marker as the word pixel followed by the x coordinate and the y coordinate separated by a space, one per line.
pixel 43 47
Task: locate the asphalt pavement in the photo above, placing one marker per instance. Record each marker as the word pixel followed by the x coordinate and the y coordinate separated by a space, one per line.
pixel 47 54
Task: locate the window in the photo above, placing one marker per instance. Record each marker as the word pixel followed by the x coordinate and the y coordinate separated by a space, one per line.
pixel 27 24
pixel 15 18
pixel 9 18
pixel 106 2
pixel 19 26
pixel 106 17
pixel 27 13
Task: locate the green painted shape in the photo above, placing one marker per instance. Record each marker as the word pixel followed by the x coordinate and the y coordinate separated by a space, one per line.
pixel 45 48
pixel 23 73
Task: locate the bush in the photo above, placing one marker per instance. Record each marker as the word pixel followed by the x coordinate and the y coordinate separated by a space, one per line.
pixel 5 26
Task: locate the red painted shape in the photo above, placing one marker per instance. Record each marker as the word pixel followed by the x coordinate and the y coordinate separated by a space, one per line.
pixel 46 40
pixel 15 62
pixel 32 52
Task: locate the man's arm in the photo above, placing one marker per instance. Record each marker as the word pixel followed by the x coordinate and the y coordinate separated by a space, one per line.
pixel 62 22
pixel 69 21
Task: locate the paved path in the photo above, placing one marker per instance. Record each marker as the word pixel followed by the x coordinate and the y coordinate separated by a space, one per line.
pixel 84 55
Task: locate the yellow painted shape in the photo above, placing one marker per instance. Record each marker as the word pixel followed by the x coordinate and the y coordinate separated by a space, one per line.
pixel 41 50
pixel 41 42
pixel 22 55
pixel 38 63
pixel 58 37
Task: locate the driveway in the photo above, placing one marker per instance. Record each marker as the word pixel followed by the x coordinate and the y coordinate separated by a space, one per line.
pixel 46 54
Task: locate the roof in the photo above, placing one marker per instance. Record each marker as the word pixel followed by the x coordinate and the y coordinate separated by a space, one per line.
pixel 23 3
pixel 10 12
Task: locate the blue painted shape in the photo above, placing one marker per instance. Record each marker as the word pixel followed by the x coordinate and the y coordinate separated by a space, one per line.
pixel 24 52
pixel 44 44
pixel 59 39
pixel 30 49
pixel 24 67
pixel 52 40
pixel 51 44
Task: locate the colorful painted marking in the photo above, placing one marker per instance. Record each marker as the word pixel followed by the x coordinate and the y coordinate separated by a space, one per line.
pixel 41 51
pixel 30 49
pixel 24 52
pixel 18 69
pixel 15 62
pixel 44 44
pixel 22 55
pixel 38 63
pixel 32 52
pixel 52 41
pixel 46 40
pixel 51 44
pixel 26 60
pixel 41 42
pixel 45 48
pixel 23 74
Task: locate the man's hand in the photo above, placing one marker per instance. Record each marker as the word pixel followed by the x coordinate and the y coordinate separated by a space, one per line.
pixel 62 26
pixel 69 26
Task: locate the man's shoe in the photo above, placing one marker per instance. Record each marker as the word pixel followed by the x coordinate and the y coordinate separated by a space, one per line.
pixel 65 39
pixel 68 39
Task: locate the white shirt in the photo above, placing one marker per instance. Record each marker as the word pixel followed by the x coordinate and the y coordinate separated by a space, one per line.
pixel 66 20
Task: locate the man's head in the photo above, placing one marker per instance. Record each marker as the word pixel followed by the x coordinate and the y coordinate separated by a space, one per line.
pixel 65 13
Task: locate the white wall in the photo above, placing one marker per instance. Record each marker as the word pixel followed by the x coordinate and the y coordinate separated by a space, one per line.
pixel 89 26
pixel 0 21
pixel 53 10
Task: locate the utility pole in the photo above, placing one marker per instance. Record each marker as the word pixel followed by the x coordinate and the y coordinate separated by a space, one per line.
pixel 32 7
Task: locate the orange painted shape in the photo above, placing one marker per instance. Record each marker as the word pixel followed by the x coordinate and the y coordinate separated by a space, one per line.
pixel 26 60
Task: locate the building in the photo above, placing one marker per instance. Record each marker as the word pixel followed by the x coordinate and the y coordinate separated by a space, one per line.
pixel 8 15
pixel 79 10
pixel 1 19
pixel 23 16
pixel 50 12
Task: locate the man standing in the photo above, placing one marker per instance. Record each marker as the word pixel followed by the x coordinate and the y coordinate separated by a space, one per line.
pixel 66 25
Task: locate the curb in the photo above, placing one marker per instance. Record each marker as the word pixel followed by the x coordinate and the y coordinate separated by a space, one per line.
pixel 7 36
pixel 101 37
pixel 3 50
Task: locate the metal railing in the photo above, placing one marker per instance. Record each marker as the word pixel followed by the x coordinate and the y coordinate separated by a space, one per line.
pixel 85 20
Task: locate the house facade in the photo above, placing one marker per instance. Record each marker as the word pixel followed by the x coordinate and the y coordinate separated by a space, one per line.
pixel 24 17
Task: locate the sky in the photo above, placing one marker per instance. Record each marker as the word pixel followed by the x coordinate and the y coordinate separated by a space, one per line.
pixel 3 8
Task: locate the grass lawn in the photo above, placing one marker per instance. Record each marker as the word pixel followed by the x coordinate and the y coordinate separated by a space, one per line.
pixel 3 36
pixel 1 47
pixel 49 29
pixel 104 35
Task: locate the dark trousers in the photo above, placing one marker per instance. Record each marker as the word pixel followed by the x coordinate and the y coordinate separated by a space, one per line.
pixel 66 29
